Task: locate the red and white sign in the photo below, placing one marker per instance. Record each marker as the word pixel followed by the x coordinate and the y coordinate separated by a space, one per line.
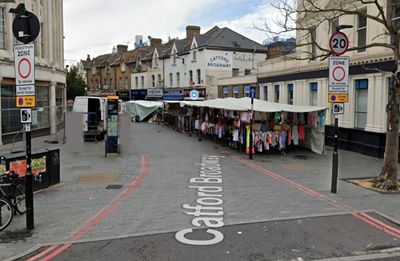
pixel 338 74
pixel 24 57
pixel 339 43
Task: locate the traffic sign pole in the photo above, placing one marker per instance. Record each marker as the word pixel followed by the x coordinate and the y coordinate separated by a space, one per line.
pixel 30 224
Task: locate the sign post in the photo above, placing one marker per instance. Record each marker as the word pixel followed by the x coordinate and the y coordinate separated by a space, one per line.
pixel 252 96
pixel 338 91
pixel 26 28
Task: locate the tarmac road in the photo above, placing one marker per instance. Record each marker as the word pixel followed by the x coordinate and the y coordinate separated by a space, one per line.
pixel 273 207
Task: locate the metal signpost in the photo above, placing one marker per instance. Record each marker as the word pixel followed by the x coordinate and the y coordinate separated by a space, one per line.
pixel 253 95
pixel 338 91
pixel 26 28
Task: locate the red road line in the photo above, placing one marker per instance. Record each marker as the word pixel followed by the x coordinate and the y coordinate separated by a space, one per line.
pixel 145 162
pixel 365 217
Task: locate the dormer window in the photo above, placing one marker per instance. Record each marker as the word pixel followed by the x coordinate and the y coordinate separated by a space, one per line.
pixel 108 68
pixel 194 55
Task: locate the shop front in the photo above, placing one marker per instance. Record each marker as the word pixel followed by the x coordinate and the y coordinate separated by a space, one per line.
pixel 154 94
pixel 194 94
pixel 138 95
pixel 123 95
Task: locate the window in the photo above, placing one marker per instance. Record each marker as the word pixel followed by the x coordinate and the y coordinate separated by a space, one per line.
pixel 93 70
pixel 10 117
pixel 198 76
pixel 266 93
pixel 314 94
pixel 41 40
pixel 126 83
pixel 120 83
pixel 15 40
pixel 276 93
pixel 235 92
pixel 361 103
pixel 171 81
pixel 108 68
pixel 190 77
pixel 42 100
pixel 226 92
pixel 142 79
pixel 105 84
pixel 396 12
pixel 194 55
pixel 155 61
pixel 247 91
pixel 153 81
pixel 313 44
pixel 174 57
pixel 247 71
pixel 59 103
pixel 290 94
pixel 91 85
pixel 123 66
pixel 137 82
pixel 361 31
pixel 111 84
pixel 235 72
pixel 178 79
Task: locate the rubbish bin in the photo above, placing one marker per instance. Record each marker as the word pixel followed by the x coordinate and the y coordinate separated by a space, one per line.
pixel 54 166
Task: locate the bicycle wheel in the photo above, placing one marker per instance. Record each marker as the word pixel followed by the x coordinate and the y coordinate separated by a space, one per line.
pixel 20 205
pixel 6 213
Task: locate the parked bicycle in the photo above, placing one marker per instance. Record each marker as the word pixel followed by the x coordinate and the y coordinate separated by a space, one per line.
pixel 13 202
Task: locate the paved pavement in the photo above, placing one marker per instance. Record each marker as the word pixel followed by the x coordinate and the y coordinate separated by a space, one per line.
pixel 158 172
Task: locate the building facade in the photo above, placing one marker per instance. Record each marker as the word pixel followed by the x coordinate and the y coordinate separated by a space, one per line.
pixel 50 75
pixel 362 127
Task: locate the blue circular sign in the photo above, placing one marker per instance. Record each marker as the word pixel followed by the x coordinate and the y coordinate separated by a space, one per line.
pixel 20 101
pixel 194 94
pixel 333 98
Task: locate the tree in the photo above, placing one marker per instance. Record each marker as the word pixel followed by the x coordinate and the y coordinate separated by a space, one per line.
pixel 75 83
pixel 303 16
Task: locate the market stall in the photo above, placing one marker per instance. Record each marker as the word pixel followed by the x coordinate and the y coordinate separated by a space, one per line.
pixel 275 125
pixel 138 110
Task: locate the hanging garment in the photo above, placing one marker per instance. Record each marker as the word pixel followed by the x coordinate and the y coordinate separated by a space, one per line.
pixel 302 132
pixel 302 119
pixel 295 135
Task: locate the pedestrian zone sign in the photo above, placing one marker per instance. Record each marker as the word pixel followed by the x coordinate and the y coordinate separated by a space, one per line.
pixel 338 75
pixel 24 57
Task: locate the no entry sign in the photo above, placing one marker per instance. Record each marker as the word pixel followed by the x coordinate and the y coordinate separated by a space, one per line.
pixel 24 57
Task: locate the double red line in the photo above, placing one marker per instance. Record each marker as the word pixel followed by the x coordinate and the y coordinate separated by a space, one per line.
pixel 54 250
pixel 356 213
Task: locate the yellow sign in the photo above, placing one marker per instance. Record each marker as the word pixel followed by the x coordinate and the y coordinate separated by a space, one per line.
pixel 26 101
pixel 113 97
pixel 338 98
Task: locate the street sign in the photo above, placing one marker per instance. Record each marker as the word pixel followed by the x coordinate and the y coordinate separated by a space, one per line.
pixel 338 97
pixel 338 74
pixel 339 43
pixel 26 101
pixel 253 93
pixel 338 108
pixel 24 57
pixel 26 27
pixel 25 90
pixel 26 115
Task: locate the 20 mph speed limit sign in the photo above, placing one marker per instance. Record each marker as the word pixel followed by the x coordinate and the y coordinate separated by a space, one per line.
pixel 339 43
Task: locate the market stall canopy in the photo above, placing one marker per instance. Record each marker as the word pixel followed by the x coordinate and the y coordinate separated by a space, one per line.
pixel 244 104
pixel 142 108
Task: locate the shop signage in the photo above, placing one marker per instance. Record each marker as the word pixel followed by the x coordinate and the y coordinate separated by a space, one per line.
pixel 194 94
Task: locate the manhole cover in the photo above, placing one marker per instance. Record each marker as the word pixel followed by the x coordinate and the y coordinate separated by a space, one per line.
pixel 114 186
pixel 301 157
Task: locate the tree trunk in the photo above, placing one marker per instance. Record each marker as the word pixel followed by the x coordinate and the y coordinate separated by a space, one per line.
pixel 388 175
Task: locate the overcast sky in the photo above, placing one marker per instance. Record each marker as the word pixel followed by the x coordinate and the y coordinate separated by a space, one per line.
pixel 95 26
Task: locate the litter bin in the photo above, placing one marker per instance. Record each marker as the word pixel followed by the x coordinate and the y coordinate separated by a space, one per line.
pixel 54 166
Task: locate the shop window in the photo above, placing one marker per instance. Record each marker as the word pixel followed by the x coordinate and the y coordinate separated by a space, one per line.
pixel 235 92
pixel 40 118
pixel 60 104
pixel 361 103
pixel 247 91
pixel 276 93
pixel 290 94
pixel 10 116
pixel 314 94
pixel 226 92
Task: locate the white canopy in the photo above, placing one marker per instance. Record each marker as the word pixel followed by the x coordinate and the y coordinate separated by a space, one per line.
pixel 244 104
pixel 142 108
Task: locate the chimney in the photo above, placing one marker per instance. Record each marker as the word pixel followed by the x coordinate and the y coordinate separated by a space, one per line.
pixel 155 41
pixel 191 30
pixel 122 48
pixel 88 57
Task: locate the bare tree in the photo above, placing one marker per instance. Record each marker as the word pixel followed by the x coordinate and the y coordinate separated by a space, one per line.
pixel 303 16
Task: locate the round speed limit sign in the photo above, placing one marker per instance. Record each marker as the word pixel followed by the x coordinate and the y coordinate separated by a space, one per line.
pixel 339 43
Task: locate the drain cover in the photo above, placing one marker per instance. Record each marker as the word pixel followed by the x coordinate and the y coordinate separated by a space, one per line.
pixel 114 186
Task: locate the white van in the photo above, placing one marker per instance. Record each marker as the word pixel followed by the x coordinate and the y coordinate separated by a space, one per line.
pixel 94 116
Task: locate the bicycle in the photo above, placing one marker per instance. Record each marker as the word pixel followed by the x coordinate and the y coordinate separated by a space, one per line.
pixel 17 195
